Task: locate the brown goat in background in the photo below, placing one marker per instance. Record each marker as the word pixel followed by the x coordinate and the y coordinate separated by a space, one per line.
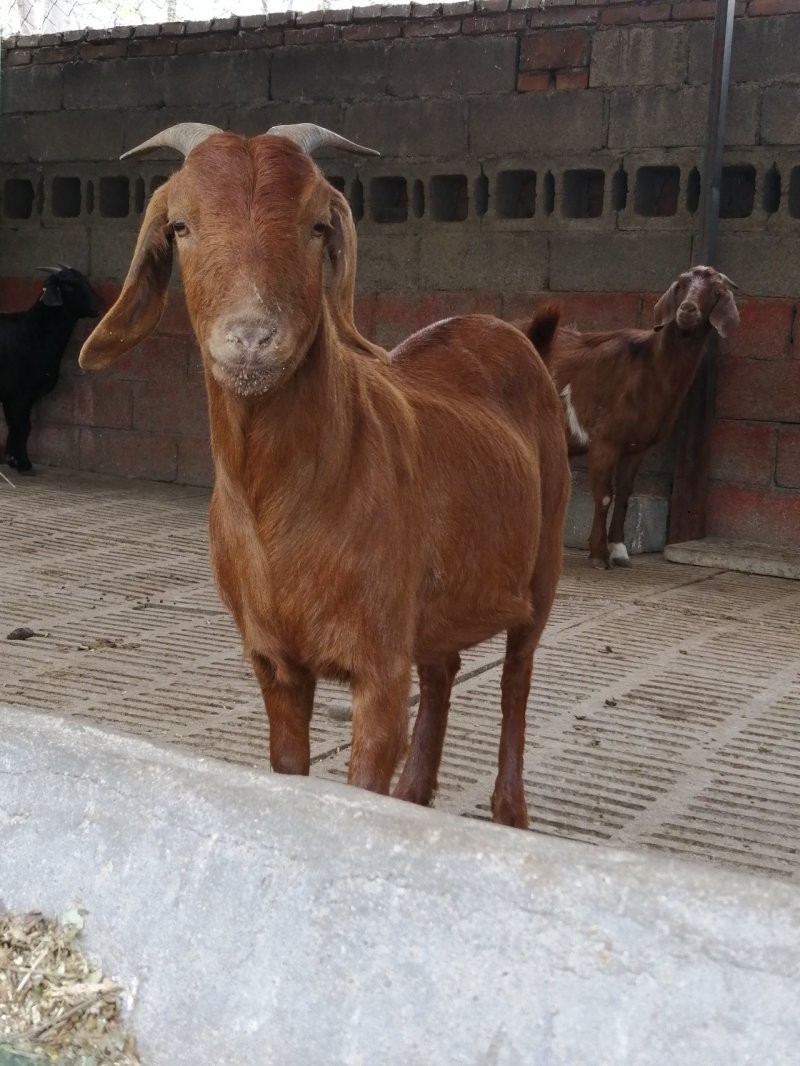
pixel 368 513
pixel 622 390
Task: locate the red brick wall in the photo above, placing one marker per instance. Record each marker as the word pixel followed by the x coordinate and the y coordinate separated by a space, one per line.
pixel 755 457
pixel 146 416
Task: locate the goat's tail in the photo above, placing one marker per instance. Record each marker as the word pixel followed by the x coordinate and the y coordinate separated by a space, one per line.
pixel 542 328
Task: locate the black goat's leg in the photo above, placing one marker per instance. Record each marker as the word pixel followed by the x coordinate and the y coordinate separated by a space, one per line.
pixel 7 453
pixel 18 415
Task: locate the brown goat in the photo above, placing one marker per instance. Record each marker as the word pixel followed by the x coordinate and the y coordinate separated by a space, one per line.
pixel 368 513
pixel 622 390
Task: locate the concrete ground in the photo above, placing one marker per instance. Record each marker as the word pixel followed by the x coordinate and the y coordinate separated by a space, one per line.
pixel 665 711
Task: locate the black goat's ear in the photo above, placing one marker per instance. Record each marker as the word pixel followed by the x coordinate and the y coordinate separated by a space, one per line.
pixel 724 316
pixel 51 295
pixel 664 311
pixel 140 305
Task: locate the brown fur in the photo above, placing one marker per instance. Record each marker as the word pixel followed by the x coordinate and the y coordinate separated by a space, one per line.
pixel 368 513
pixel 627 386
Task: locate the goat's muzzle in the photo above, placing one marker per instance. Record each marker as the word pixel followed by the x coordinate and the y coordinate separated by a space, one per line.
pixel 248 355
pixel 688 316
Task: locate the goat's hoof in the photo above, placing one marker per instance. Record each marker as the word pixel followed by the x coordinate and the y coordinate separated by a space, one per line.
pixel 28 471
pixel 510 813
pixel 422 796
pixel 622 562
pixel 600 564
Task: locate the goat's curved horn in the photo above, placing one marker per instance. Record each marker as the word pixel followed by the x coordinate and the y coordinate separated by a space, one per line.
pixel 310 137
pixel 183 138
pixel 49 270
pixel 728 281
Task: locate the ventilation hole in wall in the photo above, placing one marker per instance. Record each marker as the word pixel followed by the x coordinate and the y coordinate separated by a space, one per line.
pixel 481 195
pixel 771 196
pixel 66 197
pixel 114 197
pixel 693 190
pixel 449 197
pixel 157 182
pixel 737 192
pixel 388 199
pixel 17 198
pixel 619 190
pixel 657 191
pixel 793 193
pixel 418 199
pixel 583 193
pixel 548 193
pixel 357 199
pixel 138 196
pixel 336 182
pixel 516 194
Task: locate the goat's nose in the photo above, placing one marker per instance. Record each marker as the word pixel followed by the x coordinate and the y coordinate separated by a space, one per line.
pixel 689 307
pixel 251 337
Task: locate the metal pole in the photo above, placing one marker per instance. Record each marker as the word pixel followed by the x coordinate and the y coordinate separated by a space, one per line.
pixel 706 251
pixel 688 510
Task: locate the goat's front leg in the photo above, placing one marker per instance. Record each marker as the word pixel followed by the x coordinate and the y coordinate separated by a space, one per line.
pixel 380 727
pixel 419 779
pixel 602 460
pixel 7 451
pixel 18 416
pixel 289 706
pixel 627 466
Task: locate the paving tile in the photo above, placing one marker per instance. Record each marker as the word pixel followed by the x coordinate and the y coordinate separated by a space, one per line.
pixel 664 713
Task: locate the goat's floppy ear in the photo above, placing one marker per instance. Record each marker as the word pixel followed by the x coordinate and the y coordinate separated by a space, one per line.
pixel 341 293
pixel 141 303
pixel 724 316
pixel 664 311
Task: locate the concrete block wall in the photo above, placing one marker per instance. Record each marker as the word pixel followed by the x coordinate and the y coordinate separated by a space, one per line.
pixel 525 152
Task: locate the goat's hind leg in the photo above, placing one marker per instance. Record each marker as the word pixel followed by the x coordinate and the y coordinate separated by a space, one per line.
pixel 508 798
pixel 289 707
pixel 420 777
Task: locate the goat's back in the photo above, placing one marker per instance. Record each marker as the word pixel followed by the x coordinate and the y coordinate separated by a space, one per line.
pixel 476 361
pixel 493 462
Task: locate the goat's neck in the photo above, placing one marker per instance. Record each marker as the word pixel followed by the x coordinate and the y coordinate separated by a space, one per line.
pixel 300 434
pixel 679 353
pixel 677 356
pixel 56 322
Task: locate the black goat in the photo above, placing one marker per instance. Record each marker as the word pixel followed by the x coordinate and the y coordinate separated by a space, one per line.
pixel 32 343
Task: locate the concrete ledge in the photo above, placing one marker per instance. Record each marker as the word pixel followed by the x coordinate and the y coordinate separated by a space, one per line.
pixel 258 919
pixel 737 555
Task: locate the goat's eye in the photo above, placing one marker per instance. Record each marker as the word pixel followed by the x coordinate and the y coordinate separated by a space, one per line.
pixel 179 227
pixel 319 228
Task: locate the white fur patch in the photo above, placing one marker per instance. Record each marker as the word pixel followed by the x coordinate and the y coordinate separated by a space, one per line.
pixel 579 434
pixel 617 550
pixel 606 501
